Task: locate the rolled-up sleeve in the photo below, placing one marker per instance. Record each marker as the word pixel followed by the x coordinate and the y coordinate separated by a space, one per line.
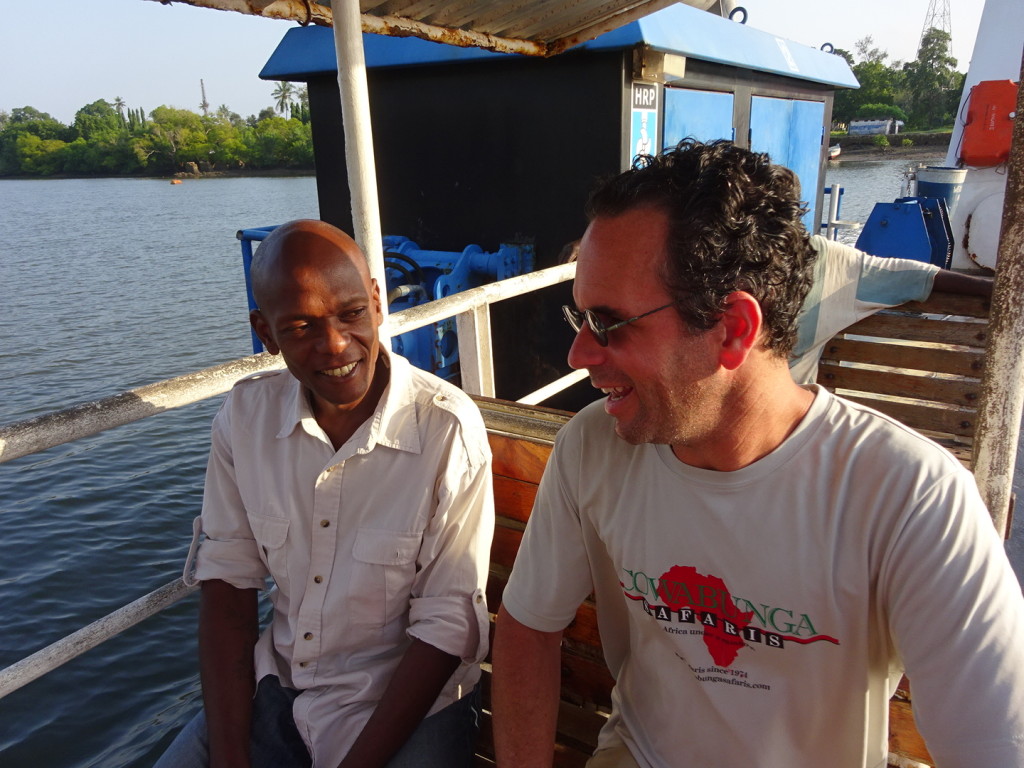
pixel 228 551
pixel 448 609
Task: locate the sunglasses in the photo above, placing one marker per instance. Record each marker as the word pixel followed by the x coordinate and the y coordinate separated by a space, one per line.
pixel 576 319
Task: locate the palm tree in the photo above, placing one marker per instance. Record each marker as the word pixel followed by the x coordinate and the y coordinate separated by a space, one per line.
pixel 119 105
pixel 283 96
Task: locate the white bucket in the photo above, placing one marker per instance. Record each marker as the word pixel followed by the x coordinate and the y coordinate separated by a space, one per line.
pixel 942 182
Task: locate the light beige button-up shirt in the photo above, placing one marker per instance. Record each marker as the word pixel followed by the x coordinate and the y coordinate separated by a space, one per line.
pixel 384 540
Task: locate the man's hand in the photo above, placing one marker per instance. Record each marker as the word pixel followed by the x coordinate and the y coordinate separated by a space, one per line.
pixel 418 680
pixel 228 629
pixel 525 683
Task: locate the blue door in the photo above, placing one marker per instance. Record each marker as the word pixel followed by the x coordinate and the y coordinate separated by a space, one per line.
pixel 702 115
pixel 791 131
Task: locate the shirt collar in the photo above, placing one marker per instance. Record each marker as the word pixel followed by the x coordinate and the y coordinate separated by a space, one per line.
pixel 394 422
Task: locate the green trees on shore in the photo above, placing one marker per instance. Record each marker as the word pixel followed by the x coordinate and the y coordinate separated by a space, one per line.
pixel 924 93
pixel 112 139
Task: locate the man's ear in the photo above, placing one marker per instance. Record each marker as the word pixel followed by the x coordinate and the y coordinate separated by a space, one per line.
pixel 375 294
pixel 262 330
pixel 741 324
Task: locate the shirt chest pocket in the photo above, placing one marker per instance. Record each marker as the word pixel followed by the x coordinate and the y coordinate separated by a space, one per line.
pixel 383 569
pixel 271 533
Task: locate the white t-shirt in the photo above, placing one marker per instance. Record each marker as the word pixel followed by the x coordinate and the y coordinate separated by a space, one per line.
pixel 763 617
pixel 386 539
pixel 850 285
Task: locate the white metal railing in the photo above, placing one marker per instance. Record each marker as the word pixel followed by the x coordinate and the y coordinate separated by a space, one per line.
pixel 476 362
pixel 33 435
pixel 834 223
pixel 23 672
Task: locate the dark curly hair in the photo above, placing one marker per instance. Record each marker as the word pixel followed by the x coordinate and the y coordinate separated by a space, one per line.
pixel 734 225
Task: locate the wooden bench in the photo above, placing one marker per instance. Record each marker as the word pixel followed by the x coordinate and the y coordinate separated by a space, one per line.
pixel 920 363
pixel 521 441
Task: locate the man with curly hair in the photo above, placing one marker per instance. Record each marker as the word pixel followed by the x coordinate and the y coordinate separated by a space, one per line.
pixel 766 559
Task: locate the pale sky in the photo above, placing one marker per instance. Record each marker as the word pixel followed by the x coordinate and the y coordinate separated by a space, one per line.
pixel 59 55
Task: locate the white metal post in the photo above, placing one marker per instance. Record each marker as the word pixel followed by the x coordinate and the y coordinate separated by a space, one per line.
pixel 476 360
pixel 355 114
pixel 833 211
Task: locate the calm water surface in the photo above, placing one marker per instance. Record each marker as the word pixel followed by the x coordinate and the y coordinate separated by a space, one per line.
pixel 108 285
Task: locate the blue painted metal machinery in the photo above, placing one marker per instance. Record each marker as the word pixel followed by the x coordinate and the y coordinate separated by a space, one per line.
pixel 415 276
pixel 910 228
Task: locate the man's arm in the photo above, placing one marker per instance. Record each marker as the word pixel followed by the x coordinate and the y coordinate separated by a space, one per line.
pixel 525 684
pixel 417 682
pixel 955 612
pixel 228 629
pixel 947 281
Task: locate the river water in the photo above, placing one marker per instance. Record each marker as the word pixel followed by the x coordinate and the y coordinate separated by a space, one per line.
pixel 107 285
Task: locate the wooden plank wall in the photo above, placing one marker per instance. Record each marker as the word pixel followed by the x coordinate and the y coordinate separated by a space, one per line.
pixel 920 363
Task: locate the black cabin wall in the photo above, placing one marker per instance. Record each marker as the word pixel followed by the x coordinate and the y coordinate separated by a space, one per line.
pixel 497 151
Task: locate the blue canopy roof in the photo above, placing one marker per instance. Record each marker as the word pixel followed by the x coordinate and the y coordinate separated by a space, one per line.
pixel 309 51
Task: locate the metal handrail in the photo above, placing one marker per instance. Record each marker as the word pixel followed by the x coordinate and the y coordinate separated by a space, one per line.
pixel 22 438
pixel 37 434
pixel 23 672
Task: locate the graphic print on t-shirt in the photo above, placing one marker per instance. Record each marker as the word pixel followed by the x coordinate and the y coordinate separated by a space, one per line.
pixel 727 623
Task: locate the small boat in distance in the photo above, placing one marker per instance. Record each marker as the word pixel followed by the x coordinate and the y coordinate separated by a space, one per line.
pixel 834 151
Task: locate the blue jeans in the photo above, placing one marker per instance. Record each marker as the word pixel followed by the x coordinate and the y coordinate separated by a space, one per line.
pixel 444 740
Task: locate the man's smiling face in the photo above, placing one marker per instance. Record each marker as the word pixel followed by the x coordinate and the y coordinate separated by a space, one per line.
pixel 656 372
pixel 321 311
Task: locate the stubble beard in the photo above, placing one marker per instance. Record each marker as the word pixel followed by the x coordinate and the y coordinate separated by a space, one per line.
pixel 682 421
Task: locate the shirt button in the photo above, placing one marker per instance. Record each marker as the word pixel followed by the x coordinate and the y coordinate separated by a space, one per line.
pixel 303 664
pixel 308 636
pixel 325 523
pixel 479 598
pixel 318 579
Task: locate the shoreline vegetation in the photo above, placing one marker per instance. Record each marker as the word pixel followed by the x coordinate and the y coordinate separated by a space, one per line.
pixel 878 153
pixel 854 152
pixel 112 140
pixel 179 176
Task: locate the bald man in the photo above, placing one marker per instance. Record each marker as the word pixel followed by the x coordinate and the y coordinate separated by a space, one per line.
pixel 361 487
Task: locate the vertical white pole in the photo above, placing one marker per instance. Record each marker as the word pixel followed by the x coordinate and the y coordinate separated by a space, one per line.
pixel 833 211
pixel 476 359
pixel 355 114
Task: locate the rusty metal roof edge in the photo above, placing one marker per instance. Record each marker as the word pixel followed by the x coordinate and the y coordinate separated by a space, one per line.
pixel 302 11
pixel 308 12
pixel 319 12
pixel 395 26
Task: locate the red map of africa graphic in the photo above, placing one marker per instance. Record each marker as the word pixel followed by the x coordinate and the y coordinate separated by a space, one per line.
pixel 681 586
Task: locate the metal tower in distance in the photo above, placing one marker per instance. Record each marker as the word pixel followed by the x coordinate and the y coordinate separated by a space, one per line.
pixel 937 17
